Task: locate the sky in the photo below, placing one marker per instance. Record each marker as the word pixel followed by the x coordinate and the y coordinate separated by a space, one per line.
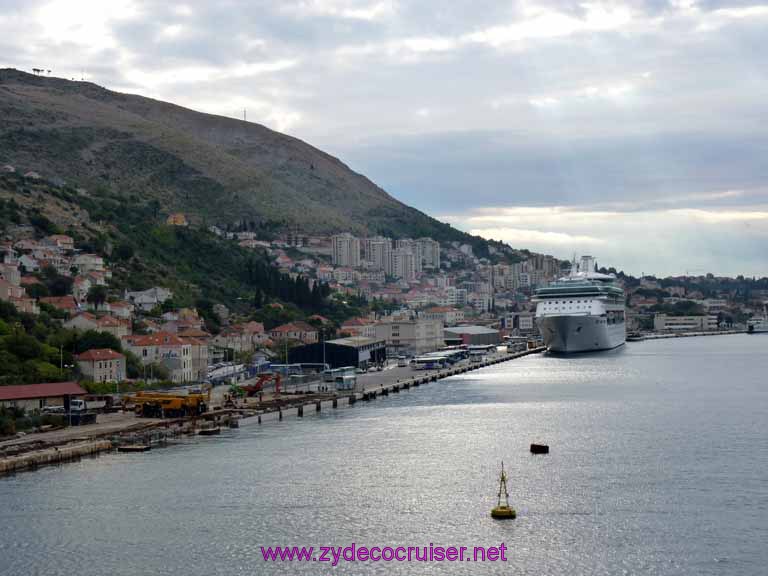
pixel 635 131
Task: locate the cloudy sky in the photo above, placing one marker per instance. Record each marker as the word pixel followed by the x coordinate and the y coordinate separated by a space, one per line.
pixel 636 131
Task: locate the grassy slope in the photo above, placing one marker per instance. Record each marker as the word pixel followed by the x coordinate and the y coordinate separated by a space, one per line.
pixel 216 169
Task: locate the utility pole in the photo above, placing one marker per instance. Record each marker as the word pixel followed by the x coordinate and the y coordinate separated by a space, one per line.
pixel 322 335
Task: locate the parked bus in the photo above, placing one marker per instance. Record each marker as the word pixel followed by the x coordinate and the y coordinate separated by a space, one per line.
pixel 476 356
pixel 429 362
pixel 332 374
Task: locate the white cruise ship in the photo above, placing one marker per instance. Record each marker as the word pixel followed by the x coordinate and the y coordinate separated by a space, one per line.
pixel 582 312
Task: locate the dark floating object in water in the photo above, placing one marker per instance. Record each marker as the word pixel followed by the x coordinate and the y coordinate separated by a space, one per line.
pixel 539 449
pixel 134 448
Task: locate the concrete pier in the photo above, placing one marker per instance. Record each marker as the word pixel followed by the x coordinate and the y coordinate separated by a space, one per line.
pixel 158 432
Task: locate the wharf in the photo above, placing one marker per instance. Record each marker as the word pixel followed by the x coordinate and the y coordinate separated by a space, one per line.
pixel 125 430
pixel 662 335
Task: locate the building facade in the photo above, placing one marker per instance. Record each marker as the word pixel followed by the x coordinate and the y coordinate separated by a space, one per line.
pixel 102 365
pixel 345 250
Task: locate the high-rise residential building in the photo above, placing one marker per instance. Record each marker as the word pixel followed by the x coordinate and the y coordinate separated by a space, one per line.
pixel 414 248
pixel 345 250
pixel 404 264
pixel 379 253
pixel 430 252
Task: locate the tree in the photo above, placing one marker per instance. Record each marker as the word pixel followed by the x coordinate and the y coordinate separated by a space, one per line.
pixel 97 295
pixel 95 339
pixel 37 291
pixel 124 252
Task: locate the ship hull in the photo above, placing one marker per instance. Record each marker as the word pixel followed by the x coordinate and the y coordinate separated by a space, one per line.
pixel 580 333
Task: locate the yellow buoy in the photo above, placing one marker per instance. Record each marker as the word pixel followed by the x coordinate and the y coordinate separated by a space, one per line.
pixel 503 511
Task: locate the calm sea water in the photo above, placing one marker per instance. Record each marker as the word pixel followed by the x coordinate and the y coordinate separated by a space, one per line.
pixel 658 465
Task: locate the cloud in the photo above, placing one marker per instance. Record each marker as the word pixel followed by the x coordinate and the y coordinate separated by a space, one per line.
pixel 713 240
pixel 594 111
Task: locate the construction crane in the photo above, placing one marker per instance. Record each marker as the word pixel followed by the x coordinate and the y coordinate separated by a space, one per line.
pixel 167 405
pixel 258 387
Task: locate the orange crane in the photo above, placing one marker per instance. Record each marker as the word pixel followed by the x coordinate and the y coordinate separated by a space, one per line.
pixel 254 389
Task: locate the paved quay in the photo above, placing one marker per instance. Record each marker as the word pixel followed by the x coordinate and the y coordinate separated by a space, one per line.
pixel 69 443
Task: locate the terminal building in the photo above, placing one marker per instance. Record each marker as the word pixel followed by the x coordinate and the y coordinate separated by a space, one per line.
pixel 664 323
pixel 355 351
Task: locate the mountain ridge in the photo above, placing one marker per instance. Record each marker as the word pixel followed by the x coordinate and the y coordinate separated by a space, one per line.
pixel 213 168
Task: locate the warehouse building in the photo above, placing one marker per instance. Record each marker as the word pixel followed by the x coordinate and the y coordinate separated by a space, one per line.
pixel 473 335
pixel 38 396
pixel 357 351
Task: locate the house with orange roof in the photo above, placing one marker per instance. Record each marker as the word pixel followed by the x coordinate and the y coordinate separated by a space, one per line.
pixel 200 355
pixel 66 303
pixel 26 305
pixel 166 349
pixel 241 337
pixel 448 315
pixel 87 321
pixel 61 241
pixel 359 327
pixel 86 263
pixel 120 309
pixel 102 365
pixel 298 330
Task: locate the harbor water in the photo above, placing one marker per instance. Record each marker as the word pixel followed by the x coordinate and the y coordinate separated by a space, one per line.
pixel 658 464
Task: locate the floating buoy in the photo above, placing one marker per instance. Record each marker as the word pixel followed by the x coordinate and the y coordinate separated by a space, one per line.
pixel 502 510
pixel 539 449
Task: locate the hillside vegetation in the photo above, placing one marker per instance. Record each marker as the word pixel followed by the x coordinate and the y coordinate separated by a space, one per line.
pixel 214 169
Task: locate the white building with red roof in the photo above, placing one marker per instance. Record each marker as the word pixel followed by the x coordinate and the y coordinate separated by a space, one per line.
pixel 87 321
pixel 166 349
pixel 298 330
pixel 102 365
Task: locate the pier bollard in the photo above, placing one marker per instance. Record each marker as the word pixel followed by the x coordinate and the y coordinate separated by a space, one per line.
pixel 300 412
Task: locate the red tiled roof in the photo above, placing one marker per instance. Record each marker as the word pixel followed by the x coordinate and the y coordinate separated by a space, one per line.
pixel 32 391
pixel 297 326
pixel 191 332
pixel 156 339
pixel 99 354
pixel 62 302
pixel 357 322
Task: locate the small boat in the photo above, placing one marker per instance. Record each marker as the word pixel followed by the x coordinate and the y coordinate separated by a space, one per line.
pixel 134 448
pixel 503 511
pixel 209 431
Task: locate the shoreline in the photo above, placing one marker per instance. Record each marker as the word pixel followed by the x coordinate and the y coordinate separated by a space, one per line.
pixel 30 453
pixel 663 335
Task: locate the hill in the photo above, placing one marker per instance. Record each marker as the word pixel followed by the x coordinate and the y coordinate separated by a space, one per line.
pixel 214 169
